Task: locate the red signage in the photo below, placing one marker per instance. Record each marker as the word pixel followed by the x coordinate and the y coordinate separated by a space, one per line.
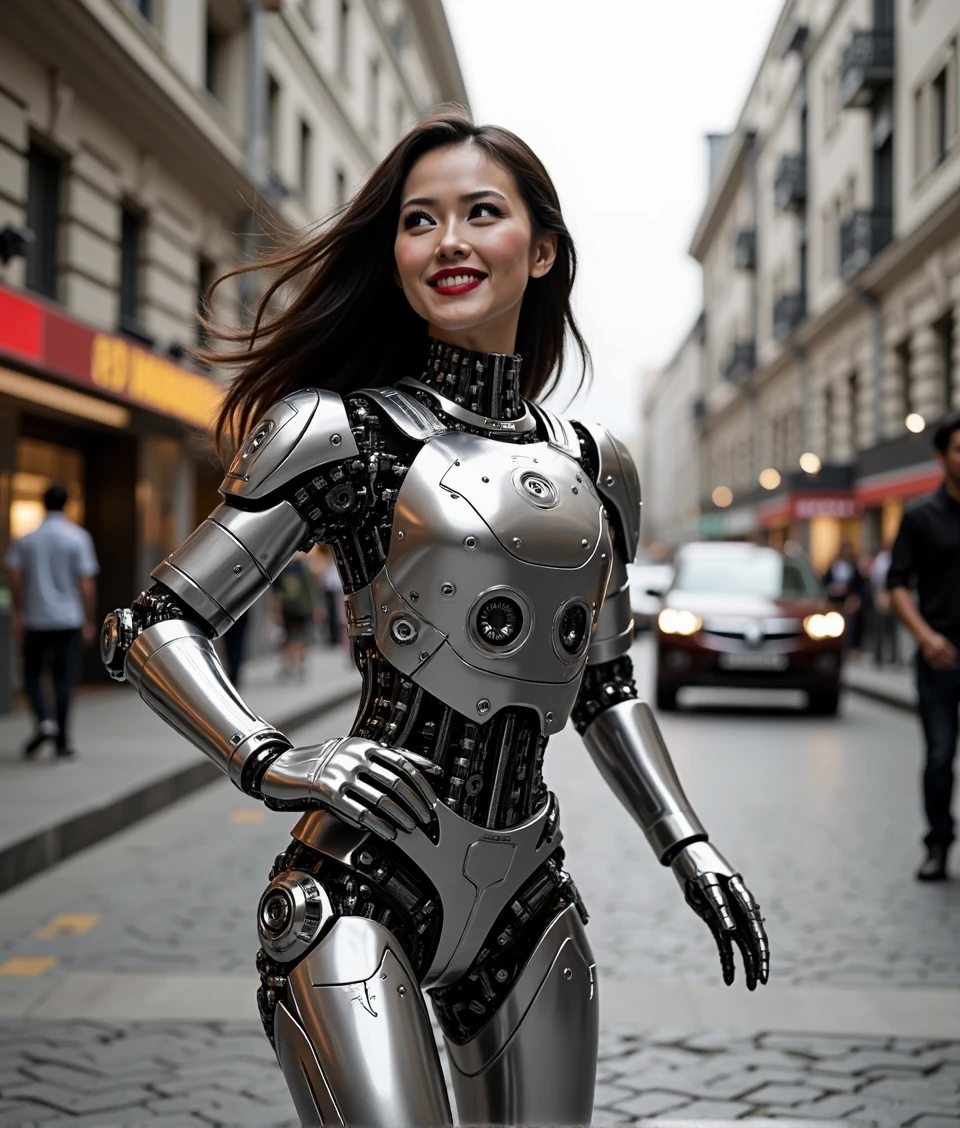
pixel 61 346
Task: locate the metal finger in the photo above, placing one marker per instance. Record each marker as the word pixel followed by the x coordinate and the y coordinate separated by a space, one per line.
pixel 758 934
pixel 710 887
pixel 362 816
pixel 744 943
pixel 728 965
pixel 393 760
pixel 399 787
pixel 383 804
pixel 422 762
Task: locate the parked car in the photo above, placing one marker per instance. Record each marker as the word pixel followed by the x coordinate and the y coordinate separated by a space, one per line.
pixel 750 617
pixel 649 582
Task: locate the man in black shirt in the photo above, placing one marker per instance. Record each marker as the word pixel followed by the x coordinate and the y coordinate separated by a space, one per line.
pixel 927 552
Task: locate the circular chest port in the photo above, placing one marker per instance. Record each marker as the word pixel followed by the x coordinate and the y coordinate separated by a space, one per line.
pixel 571 629
pixel 536 488
pixel 499 621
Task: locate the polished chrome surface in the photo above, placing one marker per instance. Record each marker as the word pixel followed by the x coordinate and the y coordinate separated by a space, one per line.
pixel 465 533
pixel 408 414
pixel 619 485
pixel 522 425
pixel 475 872
pixel 177 673
pixel 353 1038
pixel 340 775
pixel 627 746
pixel 560 433
pixel 307 429
pixel 116 635
pixel 535 1061
pixel 613 634
pixel 293 911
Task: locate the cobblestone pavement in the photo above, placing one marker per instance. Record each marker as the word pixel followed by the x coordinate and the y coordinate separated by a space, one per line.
pixel 822 817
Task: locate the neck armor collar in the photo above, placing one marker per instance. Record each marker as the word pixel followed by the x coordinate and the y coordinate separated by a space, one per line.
pixel 486 384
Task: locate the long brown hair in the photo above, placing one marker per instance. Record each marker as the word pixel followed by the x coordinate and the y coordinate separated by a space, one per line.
pixel 350 326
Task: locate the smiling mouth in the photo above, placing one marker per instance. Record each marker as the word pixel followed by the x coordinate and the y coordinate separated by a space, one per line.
pixel 453 282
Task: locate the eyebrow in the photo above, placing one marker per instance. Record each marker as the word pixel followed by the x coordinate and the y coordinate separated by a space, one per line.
pixel 430 201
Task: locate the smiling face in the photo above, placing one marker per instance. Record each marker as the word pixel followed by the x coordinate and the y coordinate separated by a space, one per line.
pixel 465 248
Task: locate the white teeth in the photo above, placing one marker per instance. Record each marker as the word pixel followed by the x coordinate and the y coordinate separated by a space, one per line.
pixel 456 280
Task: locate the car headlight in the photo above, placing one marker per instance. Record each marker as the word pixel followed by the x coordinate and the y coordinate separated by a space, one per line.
pixel 830 625
pixel 674 622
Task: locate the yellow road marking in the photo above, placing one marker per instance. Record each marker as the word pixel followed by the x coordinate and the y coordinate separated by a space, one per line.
pixel 27 966
pixel 248 815
pixel 68 924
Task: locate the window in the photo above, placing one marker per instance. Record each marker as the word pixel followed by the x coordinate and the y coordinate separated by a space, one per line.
pixel 946 331
pixel 343 38
pixel 131 240
pixel 853 406
pixel 940 109
pixel 145 8
pixel 918 147
pixel 373 96
pixel 273 122
pixel 206 272
pixel 43 219
pixel 340 187
pixel 831 101
pixel 306 158
pixel 212 60
pixel 828 423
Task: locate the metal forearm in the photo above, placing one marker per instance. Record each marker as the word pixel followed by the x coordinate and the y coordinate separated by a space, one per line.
pixel 628 748
pixel 178 674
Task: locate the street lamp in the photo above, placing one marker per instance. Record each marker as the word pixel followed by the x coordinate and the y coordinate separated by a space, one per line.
pixel 769 478
pixel 810 463
pixel 722 496
pixel 915 422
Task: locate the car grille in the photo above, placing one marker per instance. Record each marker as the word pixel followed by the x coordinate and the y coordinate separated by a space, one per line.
pixel 770 629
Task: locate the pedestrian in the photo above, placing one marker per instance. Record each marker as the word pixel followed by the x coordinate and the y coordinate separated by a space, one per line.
pixel 884 620
pixel 294 608
pixel 845 588
pixel 926 554
pixel 54 604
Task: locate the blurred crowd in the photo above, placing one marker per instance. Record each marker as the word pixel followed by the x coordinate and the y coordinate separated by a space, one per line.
pixel 856 586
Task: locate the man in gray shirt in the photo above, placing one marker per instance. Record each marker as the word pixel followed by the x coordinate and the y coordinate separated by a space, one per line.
pixel 54 602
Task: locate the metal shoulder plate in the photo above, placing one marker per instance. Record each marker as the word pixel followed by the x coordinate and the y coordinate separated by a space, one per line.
pixel 619 484
pixel 408 414
pixel 303 431
pixel 557 431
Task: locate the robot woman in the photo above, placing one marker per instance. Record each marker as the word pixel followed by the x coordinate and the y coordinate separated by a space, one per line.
pixel 482 542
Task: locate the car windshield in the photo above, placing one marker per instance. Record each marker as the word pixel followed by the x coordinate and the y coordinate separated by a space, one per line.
pixel 755 573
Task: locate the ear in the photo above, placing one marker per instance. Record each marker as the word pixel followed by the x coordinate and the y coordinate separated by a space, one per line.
pixel 543 254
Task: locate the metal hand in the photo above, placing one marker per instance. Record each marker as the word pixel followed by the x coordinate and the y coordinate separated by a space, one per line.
pixel 719 897
pixel 381 789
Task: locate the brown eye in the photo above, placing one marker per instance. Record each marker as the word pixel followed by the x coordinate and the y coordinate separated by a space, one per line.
pixel 485 210
pixel 416 219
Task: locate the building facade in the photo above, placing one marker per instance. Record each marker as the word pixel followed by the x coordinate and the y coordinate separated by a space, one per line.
pixel 830 250
pixel 145 148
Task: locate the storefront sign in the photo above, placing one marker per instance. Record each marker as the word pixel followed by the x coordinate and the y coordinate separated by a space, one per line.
pixel 805 508
pixel 60 346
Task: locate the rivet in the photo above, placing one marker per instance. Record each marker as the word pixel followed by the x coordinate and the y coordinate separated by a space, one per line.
pixel 518 543
pixel 584 543
pixel 454 496
pixel 447 590
pixel 335 440
pixel 424 655
pixel 550 718
pixel 502 975
pixel 483 705
pixel 608 480
pixel 484 478
pixel 366 858
pixel 575 490
pixel 456 462
pixel 568 973
pixel 603 556
pixel 383 608
pixel 400 534
pixel 536 460
pixel 238 569
pixel 401 990
pixel 469 542
pixel 579 479
pixel 414 596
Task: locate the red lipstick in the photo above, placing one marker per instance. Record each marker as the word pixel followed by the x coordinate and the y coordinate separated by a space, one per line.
pixel 453 280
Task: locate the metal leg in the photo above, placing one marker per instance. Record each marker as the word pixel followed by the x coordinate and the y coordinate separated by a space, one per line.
pixel 535 1061
pixel 353 1036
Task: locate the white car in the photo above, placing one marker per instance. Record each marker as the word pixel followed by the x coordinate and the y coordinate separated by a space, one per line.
pixel 646 577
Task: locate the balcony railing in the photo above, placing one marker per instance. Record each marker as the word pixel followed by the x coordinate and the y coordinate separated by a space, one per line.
pixel 742 361
pixel 790 185
pixel 863 235
pixel 788 311
pixel 745 249
pixel 866 68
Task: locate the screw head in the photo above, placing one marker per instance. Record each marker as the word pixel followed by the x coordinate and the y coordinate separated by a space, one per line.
pixel 414 596
pixel 401 990
pixel 383 608
pixel 335 440
pixel 484 478
pixel 502 975
pixel 568 973
pixel 403 630
pixel 550 718
pixel 584 543
pixel 237 569
pixel 608 480
pixel 400 534
pixel 366 858
pixel 424 655
pixel 447 590
pixel 579 478
pixel 483 706
pixel 575 490
pixel 469 542
pixel 517 542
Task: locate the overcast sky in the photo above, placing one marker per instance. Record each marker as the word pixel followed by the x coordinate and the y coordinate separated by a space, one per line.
pixel 616 97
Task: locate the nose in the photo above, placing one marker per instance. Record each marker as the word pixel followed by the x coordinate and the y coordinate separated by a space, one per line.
pixel 452 245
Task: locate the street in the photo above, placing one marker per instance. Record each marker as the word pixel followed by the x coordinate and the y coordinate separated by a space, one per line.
pixel 127 981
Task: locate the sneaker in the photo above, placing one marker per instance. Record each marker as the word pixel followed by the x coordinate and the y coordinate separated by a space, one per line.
pixel 46 730
pixel 934 867
pixel 65 753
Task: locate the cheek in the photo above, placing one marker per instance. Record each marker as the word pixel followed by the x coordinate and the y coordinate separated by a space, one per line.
pixel 508 250
pixel 410 258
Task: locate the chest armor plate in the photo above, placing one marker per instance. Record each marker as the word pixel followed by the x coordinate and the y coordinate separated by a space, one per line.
pixel 498 563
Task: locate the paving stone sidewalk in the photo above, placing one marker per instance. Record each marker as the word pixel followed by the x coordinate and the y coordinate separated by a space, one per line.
pixel 81 1074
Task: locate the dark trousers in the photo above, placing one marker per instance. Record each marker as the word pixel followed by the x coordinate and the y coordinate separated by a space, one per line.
pixel 885 640
pixel 63 646
pixel 938 696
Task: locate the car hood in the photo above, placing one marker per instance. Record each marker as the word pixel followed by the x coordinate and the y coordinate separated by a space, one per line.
pixel 748 606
